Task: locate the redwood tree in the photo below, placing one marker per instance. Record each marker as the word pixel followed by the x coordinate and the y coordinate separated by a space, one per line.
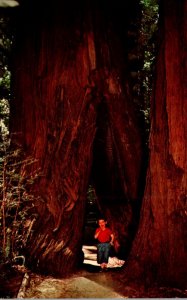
pixel 70 60
pixel 159 250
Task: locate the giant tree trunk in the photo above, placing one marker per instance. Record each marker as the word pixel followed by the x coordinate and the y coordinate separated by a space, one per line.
pixel 159 250
pixel 68 61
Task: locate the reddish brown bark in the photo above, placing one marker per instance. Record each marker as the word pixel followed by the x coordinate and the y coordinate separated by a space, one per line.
pixel 159 250
pixel 66 66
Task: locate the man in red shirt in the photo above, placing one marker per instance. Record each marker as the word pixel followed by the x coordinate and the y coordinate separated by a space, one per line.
pixel 105 239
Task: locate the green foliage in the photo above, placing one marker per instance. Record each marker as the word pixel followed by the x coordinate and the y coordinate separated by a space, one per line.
pixel 151 5
pixel 4 123
pixel 5 79
pixel 147 43
pixel 149 27
pixel 6 42
pixel 142 37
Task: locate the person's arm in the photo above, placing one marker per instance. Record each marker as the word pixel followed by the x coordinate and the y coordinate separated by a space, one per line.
pixel 112 239
pixel 97 234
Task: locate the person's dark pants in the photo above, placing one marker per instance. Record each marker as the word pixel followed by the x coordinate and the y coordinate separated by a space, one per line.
pixel 103 250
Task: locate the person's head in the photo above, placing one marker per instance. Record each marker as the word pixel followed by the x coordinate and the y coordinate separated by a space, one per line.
pixel 102 222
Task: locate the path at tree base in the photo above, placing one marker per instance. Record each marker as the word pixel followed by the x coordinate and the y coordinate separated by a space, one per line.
pixel 79 287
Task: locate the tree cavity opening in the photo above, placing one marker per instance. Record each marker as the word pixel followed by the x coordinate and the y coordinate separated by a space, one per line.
pixel 105 194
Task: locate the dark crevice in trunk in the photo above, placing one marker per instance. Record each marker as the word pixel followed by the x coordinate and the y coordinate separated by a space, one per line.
pixel 105 172
pixel 107 178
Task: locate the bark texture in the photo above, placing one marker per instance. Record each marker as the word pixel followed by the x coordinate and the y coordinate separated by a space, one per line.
pixel 159 250
pixel 69 60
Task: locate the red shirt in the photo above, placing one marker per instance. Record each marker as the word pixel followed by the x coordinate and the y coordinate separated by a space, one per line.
pixel 104 236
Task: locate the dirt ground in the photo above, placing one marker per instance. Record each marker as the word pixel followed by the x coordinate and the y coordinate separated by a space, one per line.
pixel 88 282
